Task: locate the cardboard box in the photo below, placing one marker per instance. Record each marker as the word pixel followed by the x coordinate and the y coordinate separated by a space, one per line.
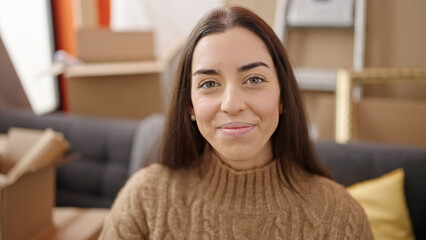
pixel 3 140
pixel 86 14
pixel 78 223
pixel 119 78
pixel 386 120
pixel 395 121
pixel 121 90
pixel 75 223
pixel 308 46
pixel 27 181
pixel 104 45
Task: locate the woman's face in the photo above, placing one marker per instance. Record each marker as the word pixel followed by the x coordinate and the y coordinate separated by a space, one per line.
pixel 235 96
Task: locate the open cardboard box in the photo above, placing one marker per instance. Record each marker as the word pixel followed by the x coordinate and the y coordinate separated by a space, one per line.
pixel 75 223
pixel 27 181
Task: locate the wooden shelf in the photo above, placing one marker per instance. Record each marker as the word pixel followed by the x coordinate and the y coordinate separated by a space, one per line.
pixel 114 68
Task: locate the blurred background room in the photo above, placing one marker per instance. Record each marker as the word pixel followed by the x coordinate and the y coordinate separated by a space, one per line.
pixel 101 73
pixel 117 58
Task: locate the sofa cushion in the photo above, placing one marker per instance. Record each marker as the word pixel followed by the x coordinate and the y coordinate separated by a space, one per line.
pixel 144 142
pixel 383 200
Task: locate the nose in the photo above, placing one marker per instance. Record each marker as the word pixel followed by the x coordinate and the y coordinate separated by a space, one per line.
pixel 233 100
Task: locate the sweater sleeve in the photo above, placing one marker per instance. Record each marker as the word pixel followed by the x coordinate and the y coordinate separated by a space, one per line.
pixel 126 219
pixel 366 230
pixel 358 226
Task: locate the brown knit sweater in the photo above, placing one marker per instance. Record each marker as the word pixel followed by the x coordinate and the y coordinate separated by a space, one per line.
pixel 215 201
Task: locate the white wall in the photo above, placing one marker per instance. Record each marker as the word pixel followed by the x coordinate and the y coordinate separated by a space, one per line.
pixel 26 30
pixel 170 20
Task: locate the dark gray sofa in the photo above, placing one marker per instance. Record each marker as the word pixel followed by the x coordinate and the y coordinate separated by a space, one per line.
pixel 110 148
pixel 359 161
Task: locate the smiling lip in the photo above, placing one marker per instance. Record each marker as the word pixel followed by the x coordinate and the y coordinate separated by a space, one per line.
pixel 236 129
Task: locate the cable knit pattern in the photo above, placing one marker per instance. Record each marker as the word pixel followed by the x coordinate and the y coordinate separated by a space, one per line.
pixel 219 202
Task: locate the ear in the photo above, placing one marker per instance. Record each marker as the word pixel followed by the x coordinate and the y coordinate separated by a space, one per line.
pixel 191 111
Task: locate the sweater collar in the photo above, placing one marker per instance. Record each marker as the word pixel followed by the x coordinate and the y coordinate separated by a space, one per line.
pixel 255 191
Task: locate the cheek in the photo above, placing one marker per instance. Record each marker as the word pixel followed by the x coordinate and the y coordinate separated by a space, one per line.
pixel 204 109
pixel 267 106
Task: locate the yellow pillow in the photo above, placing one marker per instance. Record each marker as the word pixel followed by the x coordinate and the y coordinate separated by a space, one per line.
pixel 383 200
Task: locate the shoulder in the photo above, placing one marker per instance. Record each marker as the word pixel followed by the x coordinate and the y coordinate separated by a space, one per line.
pixel 145 183
pixel 327 191
pixel 331 201
pixel 127 217
pixel 150 175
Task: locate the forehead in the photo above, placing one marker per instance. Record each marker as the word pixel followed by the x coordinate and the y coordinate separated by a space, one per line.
pixel 236 46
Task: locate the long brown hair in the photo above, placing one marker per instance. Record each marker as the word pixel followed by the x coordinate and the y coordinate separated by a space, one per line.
pixel 182 143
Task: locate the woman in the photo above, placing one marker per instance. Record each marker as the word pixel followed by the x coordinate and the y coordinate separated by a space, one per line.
pixel 236 160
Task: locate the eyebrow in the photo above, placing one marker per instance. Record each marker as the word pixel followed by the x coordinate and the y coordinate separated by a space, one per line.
pixel 206 72
pixel 240 69
pixel 251 66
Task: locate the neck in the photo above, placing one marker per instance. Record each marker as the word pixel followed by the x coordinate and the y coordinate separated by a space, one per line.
pixel 262 158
